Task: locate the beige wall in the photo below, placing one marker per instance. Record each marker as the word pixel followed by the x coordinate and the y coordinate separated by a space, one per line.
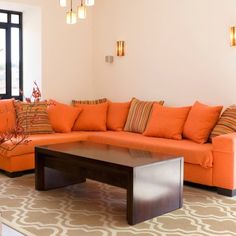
pixel 177 50
pixel 61 59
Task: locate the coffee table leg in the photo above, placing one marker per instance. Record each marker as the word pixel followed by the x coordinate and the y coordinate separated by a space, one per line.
pixel 39 172
pixel 154 190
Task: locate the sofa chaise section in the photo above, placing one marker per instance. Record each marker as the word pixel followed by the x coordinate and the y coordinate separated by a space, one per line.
pixel 21 158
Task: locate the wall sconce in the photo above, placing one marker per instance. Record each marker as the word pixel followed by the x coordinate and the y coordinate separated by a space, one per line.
pixel 120 48
pixel 233 36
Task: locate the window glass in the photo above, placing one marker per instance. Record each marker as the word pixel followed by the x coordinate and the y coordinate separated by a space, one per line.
pixel 15 19
pixel 2 61
pixel 11 48
pixel 3 17
pixel 15 61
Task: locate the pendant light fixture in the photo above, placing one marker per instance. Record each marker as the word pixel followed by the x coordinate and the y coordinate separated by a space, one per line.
pixel 82 11
pixel 62 3
pixel 89 3
pixel 71 16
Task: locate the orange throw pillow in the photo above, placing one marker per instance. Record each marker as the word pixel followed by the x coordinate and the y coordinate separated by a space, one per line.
pixel 166 122
pixel 62 117
pixel 7 115
pixel 92 117
pixel 200 122
pixel 117 115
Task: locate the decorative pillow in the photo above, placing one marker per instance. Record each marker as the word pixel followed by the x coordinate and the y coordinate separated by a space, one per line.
pixel 200 122
pixel 92 117
pixel 166 122
pixel 7 115
pixel 97 101
pixel 117 115
pixel 226 123
pixel 33 117
pixel 138 115
pixel 62 117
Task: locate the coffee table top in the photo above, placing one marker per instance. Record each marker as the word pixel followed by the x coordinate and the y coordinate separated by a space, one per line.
pixel 106 153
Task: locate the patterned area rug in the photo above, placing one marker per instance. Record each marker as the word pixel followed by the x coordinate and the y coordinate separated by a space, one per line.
pixel 95 209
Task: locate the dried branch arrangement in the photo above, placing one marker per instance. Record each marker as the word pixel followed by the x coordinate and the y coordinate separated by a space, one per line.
pixel 10 139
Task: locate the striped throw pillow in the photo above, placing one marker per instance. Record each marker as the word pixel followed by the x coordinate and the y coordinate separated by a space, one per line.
pixel 226 123
pixel 138 115
pixel 33 117
pixel 97 101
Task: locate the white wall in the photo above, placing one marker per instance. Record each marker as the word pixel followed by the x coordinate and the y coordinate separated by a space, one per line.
pixel 57 55
pixel 176 50
pixel 32 45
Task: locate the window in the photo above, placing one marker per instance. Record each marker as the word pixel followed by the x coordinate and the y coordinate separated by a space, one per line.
pixel 11 54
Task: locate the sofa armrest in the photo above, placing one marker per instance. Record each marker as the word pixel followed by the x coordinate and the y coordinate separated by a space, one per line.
pixel 224 161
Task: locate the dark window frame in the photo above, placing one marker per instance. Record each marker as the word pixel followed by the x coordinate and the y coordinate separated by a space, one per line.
pixel 7 26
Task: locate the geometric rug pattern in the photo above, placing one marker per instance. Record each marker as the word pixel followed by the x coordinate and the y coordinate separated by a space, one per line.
pixel 96 209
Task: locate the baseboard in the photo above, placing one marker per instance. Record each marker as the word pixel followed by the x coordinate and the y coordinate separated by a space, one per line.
pixel 201 186
pixel 221 191
pixel 17 174
pixel 226 192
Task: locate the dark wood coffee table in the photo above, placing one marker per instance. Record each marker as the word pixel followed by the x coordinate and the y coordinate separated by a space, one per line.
pixel 154 182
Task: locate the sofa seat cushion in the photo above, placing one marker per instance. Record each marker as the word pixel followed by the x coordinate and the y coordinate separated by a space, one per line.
pixel 44 139
pixel 193 153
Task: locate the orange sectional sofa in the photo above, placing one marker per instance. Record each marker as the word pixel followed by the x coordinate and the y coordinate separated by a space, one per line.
pixel 208 164
pixel 211 164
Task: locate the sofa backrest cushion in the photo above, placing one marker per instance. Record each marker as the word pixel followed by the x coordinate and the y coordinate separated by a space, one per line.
pixel 227 122
pixel 61 116
pixel 96 101
pixel 166 122
pixel 138 115
pixel 7 115
pixel 33 117
pixel 117 115
pixel 200 122
pixel 92 117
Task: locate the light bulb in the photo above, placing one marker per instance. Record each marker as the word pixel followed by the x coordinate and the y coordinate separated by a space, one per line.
pixel 71 18
pixel 62 3
pixel 89 3
pixel 82 11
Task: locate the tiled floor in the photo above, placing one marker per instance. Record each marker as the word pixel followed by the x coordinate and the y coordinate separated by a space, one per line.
pixel 7 231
